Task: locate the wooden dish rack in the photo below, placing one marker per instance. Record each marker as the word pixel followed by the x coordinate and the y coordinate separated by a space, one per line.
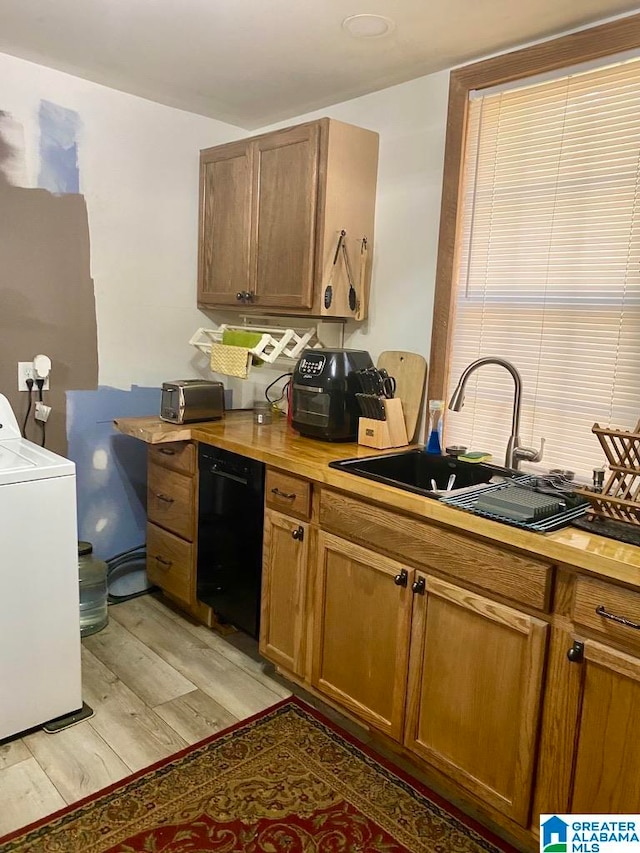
pixel 620 497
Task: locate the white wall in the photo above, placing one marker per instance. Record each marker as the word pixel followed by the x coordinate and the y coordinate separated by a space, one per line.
pixel 139 174
pixel 138 166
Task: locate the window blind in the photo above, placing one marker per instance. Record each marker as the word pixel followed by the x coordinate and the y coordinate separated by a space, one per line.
pixel 547 272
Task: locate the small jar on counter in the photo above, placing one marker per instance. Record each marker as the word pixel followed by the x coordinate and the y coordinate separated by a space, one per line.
pixel 262 412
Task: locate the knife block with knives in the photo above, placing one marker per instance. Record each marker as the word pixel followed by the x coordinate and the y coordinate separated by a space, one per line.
pixel 383 423
pixel 390 432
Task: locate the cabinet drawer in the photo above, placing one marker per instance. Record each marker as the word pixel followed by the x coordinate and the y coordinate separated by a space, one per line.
pixel 521 579
pixel 177 455
pixel 170 562
pixel 288 494
pixel 170 501
pixel 618 603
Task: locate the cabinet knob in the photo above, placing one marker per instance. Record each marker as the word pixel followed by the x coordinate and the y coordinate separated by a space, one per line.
pixel 419 586
pixel 298 533
pixel 245 296
pixel 402 578
pixel 576 652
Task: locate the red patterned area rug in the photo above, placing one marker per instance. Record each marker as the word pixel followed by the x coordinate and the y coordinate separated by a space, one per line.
pixel 286 781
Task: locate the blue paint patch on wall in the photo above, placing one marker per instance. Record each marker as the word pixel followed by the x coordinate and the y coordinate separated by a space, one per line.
pixel 58 149
pixel 111 468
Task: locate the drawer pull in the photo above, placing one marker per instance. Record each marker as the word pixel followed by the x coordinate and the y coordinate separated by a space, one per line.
pixel 619 619
pixel 164 498
pixel 401 579
pixel 163 562
pixel 287 495
pixel 167 451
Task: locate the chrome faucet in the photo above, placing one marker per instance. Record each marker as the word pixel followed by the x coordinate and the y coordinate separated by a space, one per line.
pixel 514 453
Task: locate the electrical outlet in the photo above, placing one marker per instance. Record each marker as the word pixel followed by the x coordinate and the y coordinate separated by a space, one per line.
pixel 26 371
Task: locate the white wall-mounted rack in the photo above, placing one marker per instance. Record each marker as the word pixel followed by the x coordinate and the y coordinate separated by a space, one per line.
pixel 276 342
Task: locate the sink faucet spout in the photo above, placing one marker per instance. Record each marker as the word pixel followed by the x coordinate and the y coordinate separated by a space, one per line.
pixel 514 453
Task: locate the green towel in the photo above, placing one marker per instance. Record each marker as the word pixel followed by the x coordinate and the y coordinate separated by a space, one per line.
pixel 240 338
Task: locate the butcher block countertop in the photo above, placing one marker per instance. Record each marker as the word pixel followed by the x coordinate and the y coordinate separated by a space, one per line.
pixel 281 447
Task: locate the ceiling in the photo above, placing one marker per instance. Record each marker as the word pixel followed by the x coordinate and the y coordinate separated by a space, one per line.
pixel 254 62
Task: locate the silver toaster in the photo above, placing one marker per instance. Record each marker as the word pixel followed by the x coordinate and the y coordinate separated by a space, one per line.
pixel 186 401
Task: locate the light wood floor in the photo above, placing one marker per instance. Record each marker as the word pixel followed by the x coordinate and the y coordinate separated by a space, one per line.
pixel 156 682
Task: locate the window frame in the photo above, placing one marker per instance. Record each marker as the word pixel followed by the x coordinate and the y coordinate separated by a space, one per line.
pixel 586 45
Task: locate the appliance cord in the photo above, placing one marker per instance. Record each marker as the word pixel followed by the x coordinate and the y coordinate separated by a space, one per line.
pixel 29 383
pixel 284 389
pixel 43 426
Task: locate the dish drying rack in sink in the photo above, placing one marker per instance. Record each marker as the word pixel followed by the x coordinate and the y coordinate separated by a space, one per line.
pixel 559 519
pixel 275 343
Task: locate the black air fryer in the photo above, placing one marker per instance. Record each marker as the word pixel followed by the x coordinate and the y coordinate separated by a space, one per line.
pixel 323 399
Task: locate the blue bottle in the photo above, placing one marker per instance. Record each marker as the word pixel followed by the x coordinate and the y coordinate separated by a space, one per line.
pixel 434 440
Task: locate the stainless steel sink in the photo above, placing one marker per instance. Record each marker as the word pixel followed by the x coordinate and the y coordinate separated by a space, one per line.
pixel 417 471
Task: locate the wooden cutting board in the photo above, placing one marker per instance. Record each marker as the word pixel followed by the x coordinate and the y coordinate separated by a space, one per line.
pixel 410 372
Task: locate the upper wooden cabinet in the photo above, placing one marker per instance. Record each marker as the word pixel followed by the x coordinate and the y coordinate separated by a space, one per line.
pixel 225 222
pixel 271 211
pixel 284 217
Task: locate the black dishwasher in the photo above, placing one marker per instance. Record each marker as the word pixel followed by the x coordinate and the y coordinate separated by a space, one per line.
pixel 230 518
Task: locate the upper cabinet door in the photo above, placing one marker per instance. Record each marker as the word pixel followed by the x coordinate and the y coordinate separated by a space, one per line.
pixel 286 170
pixel 225 223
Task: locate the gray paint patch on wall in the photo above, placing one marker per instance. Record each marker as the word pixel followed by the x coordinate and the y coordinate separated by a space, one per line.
pixel 47 302
pixel 58 149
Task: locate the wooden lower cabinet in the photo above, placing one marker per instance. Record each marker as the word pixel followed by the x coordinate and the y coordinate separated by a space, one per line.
pixel 170 563
pixel 361 632
pixel 478 691
pixel 284 591
pixel 170 500
pixel 453 676
pixel 474 695
pixel 172 512
pixel 606 778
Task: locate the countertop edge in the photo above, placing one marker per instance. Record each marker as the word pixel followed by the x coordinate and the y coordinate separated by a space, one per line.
pixel 570 548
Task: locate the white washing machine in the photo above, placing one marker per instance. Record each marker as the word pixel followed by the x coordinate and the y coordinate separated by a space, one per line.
pixel 39 613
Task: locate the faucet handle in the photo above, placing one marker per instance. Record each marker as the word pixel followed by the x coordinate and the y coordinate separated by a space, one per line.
pixel 528 454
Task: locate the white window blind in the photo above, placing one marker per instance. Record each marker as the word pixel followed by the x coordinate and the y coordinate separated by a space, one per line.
pixel 548 265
